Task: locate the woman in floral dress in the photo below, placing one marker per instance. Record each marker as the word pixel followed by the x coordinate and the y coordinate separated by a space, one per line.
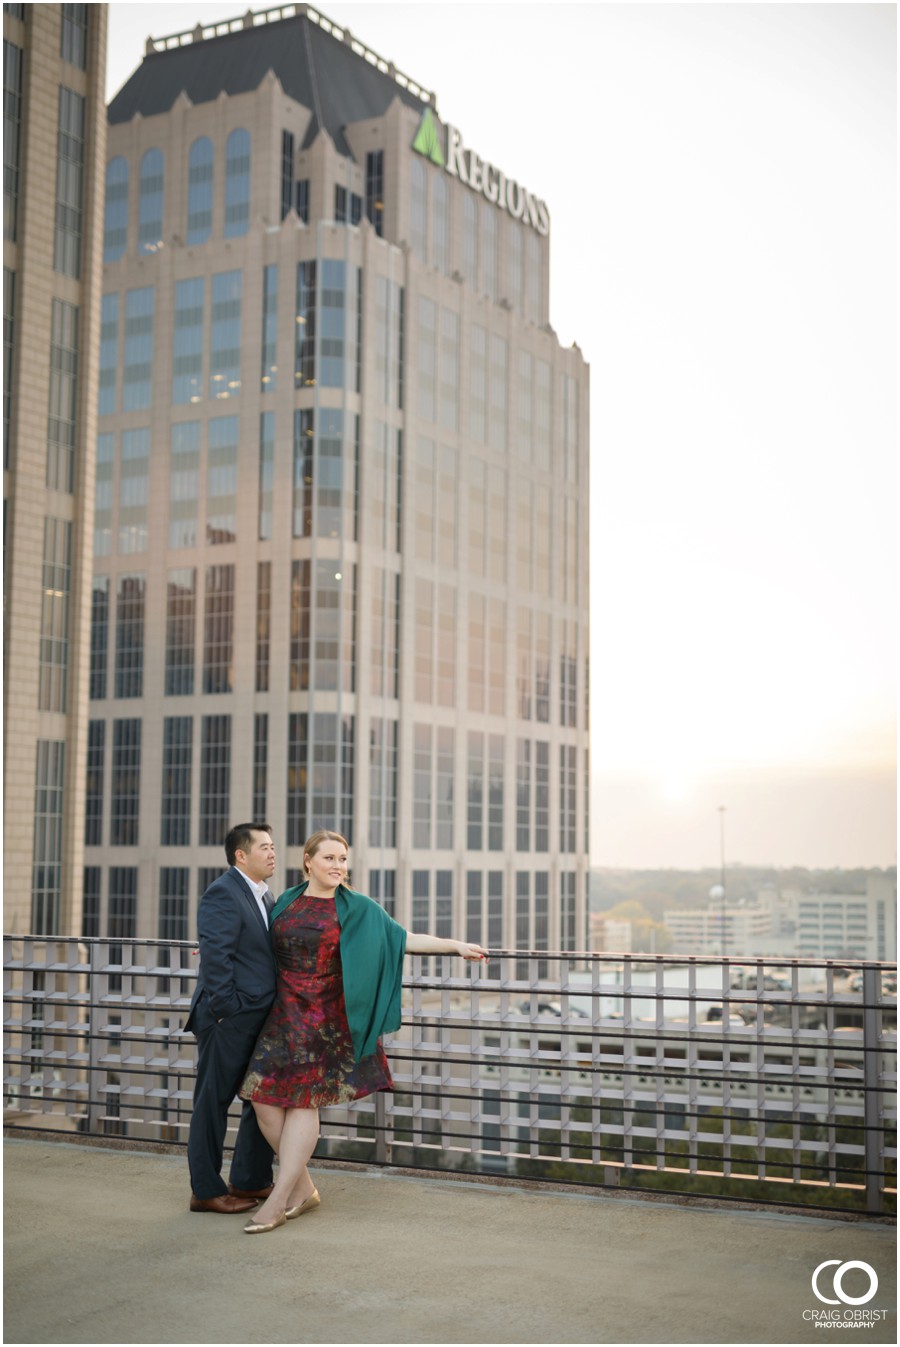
pixel 339 958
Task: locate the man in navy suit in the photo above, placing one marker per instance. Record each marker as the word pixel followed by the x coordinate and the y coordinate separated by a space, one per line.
pixel 235 989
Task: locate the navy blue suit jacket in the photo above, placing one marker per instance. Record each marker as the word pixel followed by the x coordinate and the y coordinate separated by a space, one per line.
pixel 237 966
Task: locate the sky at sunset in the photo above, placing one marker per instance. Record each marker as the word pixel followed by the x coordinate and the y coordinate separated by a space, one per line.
pixel 721 184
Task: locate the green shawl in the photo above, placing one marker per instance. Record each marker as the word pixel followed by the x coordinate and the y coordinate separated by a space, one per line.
pixel 372 948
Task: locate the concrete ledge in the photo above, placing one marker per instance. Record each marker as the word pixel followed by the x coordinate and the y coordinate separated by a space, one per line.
pixel 101 1248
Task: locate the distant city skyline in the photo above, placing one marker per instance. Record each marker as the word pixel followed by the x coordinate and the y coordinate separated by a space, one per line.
pixel 722 248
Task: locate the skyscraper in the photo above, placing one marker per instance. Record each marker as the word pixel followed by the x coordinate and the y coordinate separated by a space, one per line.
pixel 340 542
pixel 54 60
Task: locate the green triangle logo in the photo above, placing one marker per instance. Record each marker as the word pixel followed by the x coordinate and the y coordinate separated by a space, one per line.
pixel 427 141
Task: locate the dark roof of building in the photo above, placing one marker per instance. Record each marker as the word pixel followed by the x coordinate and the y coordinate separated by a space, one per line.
pixel 324 74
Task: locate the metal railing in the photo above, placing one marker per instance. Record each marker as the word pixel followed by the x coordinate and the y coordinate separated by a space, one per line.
pixel 768 1079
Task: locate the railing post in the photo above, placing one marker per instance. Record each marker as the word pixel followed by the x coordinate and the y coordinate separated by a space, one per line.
pixel 872 1093
pixel 381 1144
pixel 95 1108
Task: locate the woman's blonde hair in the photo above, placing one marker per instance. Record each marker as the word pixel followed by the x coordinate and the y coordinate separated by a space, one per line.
pixel 313 843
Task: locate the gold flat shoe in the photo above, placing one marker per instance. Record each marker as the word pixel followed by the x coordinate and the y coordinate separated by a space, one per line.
pixel 309 1205
pixel 251 1229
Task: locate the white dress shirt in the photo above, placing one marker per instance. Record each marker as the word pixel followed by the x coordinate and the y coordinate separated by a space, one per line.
pixel 259 893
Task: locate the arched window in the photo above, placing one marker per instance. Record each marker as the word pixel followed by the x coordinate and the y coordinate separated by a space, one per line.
pixel 200 190
pixel 237 183
pixel 115 220
pixel 418 208
pixel 150 210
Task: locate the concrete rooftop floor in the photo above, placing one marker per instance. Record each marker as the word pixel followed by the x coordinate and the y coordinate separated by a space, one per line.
pixel 101 1248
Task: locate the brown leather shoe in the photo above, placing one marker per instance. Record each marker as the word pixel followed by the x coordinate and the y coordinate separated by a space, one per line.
pixel 259 1194
pixel 226 1205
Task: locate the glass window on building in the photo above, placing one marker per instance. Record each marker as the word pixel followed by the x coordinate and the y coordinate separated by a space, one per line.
pixel 177 762
pixel 567 800
pixel 69 184
pixel 389 342
pixel 122 913
pixel 422 786
pixel 260 764
pixel 109 354
pixel 340 204
pixel 385 477
pixel 446 643
pixel 382 782
pixel 115 213
pixel 187 342
pixel 305 349
pixel 440 223
pixel 568 674
pixel 474 906
pixel 90 902
pixel 542 629
pixel 541 797
pixel 523 795
pixel 62 420
pixel 225 335
pixel 268 372
pixel 150 202
pixel 174 882
pixel 215 780
pixel 221 480
pixel 543 400
pixel 201 168
pixel 494 912
pixel 418 210
pixel 334 619
pixel 524 668
pixel 449 370
pixel 534 280
pixel 237 183
pixel 134 489
pixel 332 348
pixel 304 455
pixel 498 398
pixel 384 672
pixel 321 766
pixel 383 888
pixel 514 238
pixel 495 523
pixel 478 386
pixel 426 357
pixel 73 43
pixel 99 637
pixel 263 623
pixel 329 474
pixel 130 636
pixel 421 901
pixel 375 190
pixel 12 130
pixel 56 589
pixel 523 919
pixel 181 625
pixel 303 199
pixel 46 870
pixel 496 776
pixel 470 239
pixel 300 629
pixel 137 377
pixel 266 469
pixel 445 754
pixel 287 173
pixel 525 428
pixel 218 630
pixel 125 784
pixel 93 790
pixel 489 250
pixel 475 791
pixel 542 917
pixel 184 484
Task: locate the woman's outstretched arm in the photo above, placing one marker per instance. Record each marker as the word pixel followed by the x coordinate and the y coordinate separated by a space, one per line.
pixel 417 943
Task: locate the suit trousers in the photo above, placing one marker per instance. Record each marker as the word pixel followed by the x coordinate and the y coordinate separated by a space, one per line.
pixel 223 1052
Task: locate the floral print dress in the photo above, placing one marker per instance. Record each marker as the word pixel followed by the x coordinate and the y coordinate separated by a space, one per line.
pixel 304 1055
